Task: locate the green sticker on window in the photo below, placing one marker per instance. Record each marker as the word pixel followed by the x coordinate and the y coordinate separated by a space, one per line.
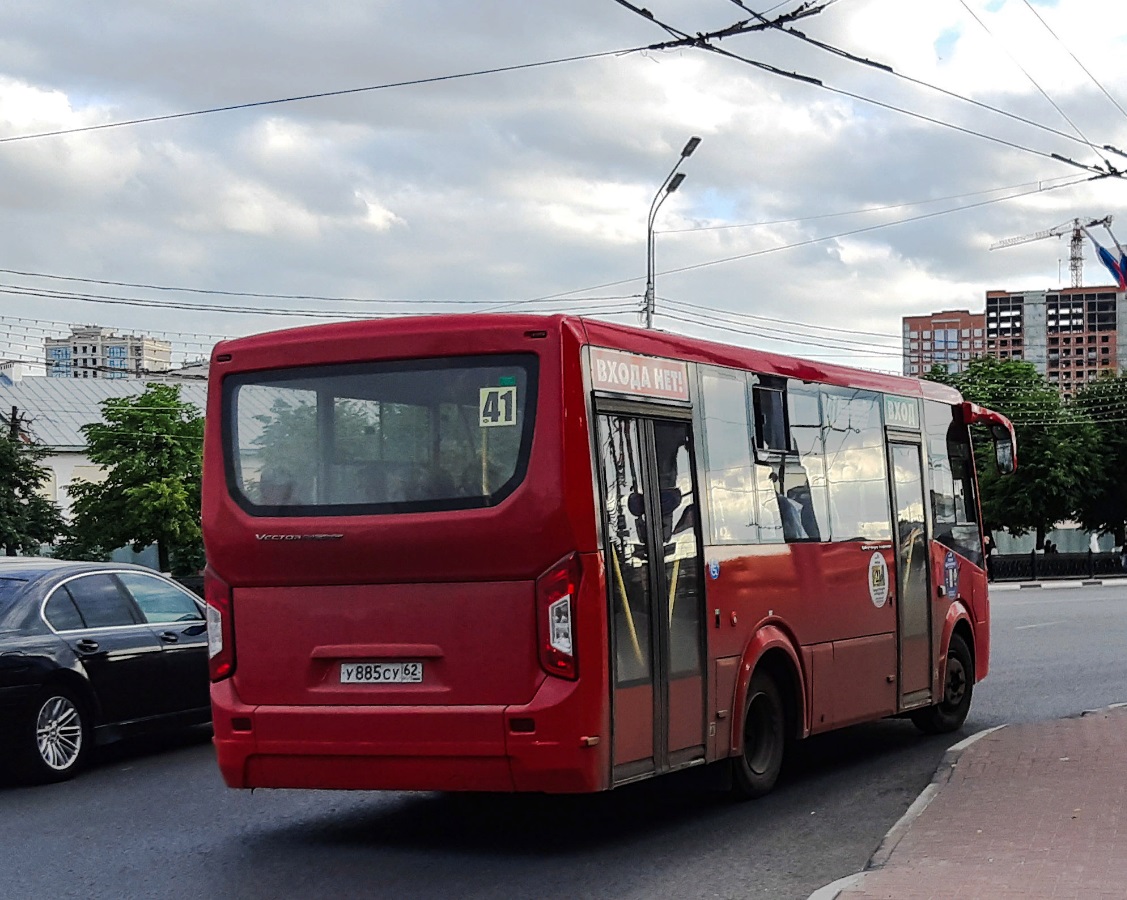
pixel 507 381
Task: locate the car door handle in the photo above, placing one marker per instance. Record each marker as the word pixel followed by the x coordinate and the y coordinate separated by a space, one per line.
pixel 86 645
pixel 169 637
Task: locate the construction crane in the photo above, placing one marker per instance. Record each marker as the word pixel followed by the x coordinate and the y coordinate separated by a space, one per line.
pixel 1076 256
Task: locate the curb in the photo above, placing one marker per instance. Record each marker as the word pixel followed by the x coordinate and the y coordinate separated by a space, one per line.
pixel 896 833
pixel 1005 586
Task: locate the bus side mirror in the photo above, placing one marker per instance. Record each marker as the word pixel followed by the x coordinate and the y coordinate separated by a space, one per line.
pixel 1003 449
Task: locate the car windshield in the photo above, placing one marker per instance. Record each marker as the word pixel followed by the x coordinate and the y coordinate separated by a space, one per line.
pixel 372 438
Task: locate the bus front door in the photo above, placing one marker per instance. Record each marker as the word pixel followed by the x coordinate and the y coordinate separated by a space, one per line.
pixel 653 570
pixel 912 574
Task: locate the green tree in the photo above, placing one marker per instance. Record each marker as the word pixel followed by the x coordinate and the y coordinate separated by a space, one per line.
pixel 1057 447
pixel 27 518
pixel 1103 505
pixel 150 447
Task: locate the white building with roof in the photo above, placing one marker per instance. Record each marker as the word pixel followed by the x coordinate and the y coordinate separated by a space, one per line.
pixel 52 411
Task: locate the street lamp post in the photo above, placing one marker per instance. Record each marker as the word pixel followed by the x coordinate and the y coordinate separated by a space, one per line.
pixel 672 182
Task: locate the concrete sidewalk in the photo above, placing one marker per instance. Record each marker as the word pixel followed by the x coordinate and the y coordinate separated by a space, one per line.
pixel 1030 811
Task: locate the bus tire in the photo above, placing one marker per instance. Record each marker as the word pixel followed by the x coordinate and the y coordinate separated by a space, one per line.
pixel 756 769
pixel 958 685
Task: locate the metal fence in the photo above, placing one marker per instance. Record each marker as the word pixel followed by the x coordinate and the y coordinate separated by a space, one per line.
pixel 1035 566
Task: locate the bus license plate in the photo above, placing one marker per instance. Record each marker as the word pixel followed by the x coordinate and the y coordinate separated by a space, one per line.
pixel 381 673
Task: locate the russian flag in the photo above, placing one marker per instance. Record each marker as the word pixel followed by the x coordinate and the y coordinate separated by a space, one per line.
pixel 1115 266
pixel 1122 257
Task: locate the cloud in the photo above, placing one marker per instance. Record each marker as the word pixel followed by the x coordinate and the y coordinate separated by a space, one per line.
pixel 537 182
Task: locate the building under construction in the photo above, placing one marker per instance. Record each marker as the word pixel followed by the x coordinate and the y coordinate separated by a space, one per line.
pixel 1072 335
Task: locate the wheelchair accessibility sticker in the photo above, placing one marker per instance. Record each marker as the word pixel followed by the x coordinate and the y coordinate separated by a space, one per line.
pixel 878 580
pixel 951 574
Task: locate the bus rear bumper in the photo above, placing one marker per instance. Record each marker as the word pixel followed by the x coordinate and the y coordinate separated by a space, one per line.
pixel 425 748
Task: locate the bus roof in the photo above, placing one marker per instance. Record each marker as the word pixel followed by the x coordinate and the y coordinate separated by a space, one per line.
pixel 351 342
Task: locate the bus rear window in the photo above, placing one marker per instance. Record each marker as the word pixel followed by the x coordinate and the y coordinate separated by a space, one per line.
pixel 370 438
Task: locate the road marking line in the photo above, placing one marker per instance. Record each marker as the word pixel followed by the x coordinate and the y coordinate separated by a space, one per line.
pixel 1038 625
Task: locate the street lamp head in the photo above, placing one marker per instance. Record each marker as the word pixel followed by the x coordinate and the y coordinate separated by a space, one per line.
pixel 675 182
pixel 692 145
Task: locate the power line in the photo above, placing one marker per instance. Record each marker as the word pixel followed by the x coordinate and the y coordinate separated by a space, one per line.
pixel 1038 185
pixel 51 294
pixel 1033 10
pixel 702 41
pixel 1040 89
pixel 811 241
pixel 870 228
pixel 318 95
pixel 837 51
pixel 752 319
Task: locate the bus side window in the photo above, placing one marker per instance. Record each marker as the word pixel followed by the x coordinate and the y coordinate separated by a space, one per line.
pixel 954 508
pixel 770 416
pixel 803 472
pixel 729 485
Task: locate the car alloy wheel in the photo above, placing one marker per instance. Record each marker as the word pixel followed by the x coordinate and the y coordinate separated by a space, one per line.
pixel 59 733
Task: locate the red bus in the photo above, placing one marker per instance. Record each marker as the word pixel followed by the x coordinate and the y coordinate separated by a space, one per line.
pixel 546 553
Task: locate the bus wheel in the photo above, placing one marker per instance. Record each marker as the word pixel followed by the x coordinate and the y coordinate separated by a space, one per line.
pixel 756 769
pixel 958 685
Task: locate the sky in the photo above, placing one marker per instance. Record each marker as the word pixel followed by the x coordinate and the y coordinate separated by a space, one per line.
pixel 502 155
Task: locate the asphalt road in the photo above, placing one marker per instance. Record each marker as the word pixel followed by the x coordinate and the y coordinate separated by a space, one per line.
pixel 154 820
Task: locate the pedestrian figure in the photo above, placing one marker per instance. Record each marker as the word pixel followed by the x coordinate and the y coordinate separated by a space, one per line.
pixel 989 547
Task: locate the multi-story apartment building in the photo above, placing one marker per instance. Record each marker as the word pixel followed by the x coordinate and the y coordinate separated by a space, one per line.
pixel 952 339
pixel 94 352
pixel 1071 335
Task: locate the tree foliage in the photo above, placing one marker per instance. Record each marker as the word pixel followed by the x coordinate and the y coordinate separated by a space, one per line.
pixel 150 447
pixel 27 518
pixel 1103 505
pixel 1057 446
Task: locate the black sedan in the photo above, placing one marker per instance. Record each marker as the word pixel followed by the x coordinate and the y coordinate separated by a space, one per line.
pixel 92 652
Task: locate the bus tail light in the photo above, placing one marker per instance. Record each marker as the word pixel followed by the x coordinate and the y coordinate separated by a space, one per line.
pixel 220 628
pixel 555 610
